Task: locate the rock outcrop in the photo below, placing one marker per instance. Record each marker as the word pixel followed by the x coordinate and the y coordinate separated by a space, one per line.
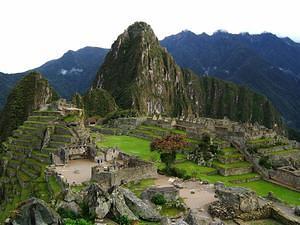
pixel 35 211
pixel 118 202
pixel 140 208
pixel 70 203
pixel 141 75
pixel 98 201
pixel 237 202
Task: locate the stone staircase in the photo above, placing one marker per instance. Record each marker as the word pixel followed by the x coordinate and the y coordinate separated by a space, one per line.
pixel 26 162
pixel 231 163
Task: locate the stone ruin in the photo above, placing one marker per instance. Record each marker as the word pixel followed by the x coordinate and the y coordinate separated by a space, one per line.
pixel 287 175
pixel 244 204
pixel 115 168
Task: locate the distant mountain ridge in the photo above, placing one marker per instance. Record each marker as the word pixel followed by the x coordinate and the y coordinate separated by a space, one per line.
pixel 263 62
pixel 71 73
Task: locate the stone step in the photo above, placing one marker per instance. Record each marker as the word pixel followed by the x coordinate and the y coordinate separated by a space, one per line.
pixel 237 168
pixel 245 178
pixel 14 164
pixel 231 158
pixel 19 156
pixel 49 150
pixel 33 131
pixel 56 144
pixel 46 113
pixel 274 149
pixel 42 118
pixel 33 143
pixel 30 172
pixel 33 164
pixel 284 153
pixel 35 124
pixel 19 148
pixel 41 157
pixel 62 130
pixel 62 138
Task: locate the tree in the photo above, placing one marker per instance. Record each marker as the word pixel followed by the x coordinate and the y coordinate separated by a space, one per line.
pixel 167 146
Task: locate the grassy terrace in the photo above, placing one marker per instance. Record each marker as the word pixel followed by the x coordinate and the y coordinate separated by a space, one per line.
pixel 141 148
pixel 241 164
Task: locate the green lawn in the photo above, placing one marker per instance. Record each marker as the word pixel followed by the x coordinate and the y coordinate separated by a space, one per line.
pixel 141 148
pixel 132 146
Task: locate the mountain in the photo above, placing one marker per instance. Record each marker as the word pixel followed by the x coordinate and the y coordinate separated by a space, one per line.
pixel 73 72
pixel 142 75
pixel 30 93
pixel 264 62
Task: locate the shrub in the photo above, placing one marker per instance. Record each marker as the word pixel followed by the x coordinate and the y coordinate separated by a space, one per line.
pixel 64 213
pixel 123 220
pixel 158 199
pixel 265 162
pixel 69 221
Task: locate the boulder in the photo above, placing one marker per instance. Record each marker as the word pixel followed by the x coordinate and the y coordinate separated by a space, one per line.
pixel 119 207
pixel 170 193
pixel 240 199
pixel 35 211
pixel 72 207
pixel 140 208
pixel 98 201
pixel 195 218
pixel 297 211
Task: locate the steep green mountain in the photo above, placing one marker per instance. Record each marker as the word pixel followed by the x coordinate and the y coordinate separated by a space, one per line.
pixel 73 72
pixel 95 102
pixel 265 63
pixel 30 93
pixel 141 75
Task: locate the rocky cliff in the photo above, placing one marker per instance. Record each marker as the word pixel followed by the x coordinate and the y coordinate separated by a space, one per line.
pixel 32 92
pixel 140 74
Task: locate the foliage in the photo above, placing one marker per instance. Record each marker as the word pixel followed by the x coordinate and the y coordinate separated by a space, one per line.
pixel 294 134
pixel 167 146
pixel 123 220
pixel 265 162
pixel 206 151
pixel 64 213
pixel 158 199
pixel 69 221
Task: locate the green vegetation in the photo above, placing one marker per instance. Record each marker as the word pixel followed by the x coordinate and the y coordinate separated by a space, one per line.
pixel 158 199
pixel 69 221
pixel 123 220
pixel 97 102
pixel 139 187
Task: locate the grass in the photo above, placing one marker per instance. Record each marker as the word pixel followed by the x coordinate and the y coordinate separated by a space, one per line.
pixel 132 146
pixel 242 164
pixel 138 188
pixel 170 211
pixel 54 185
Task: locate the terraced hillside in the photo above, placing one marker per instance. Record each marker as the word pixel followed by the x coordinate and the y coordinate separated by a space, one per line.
pixel 25 157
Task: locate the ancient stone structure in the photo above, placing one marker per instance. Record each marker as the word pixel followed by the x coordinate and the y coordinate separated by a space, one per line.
pixel 116 168
pixel 170 193
pixel 287 175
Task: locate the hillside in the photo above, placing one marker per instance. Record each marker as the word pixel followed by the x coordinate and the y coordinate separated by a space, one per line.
pixel 73 72
pixel 265 63
pixel 142 75
pixel 30 93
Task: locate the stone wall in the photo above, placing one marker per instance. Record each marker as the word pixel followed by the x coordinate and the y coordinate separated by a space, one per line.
pixel 235 171
pixel 112 176
pixel 287 176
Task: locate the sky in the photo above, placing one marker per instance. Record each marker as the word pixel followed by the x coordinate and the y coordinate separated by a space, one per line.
pixel 33 32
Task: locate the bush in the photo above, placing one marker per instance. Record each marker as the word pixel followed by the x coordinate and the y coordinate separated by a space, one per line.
pixel 64 213
pixel 123 220
pixel 265 162
pixel 158 199
pixel 69 221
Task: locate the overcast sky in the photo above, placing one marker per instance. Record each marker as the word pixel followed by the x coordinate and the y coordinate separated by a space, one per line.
pixel 35 31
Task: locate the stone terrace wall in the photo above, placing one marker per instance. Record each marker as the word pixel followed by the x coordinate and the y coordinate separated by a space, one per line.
pixel 289 178
pixel 138 170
